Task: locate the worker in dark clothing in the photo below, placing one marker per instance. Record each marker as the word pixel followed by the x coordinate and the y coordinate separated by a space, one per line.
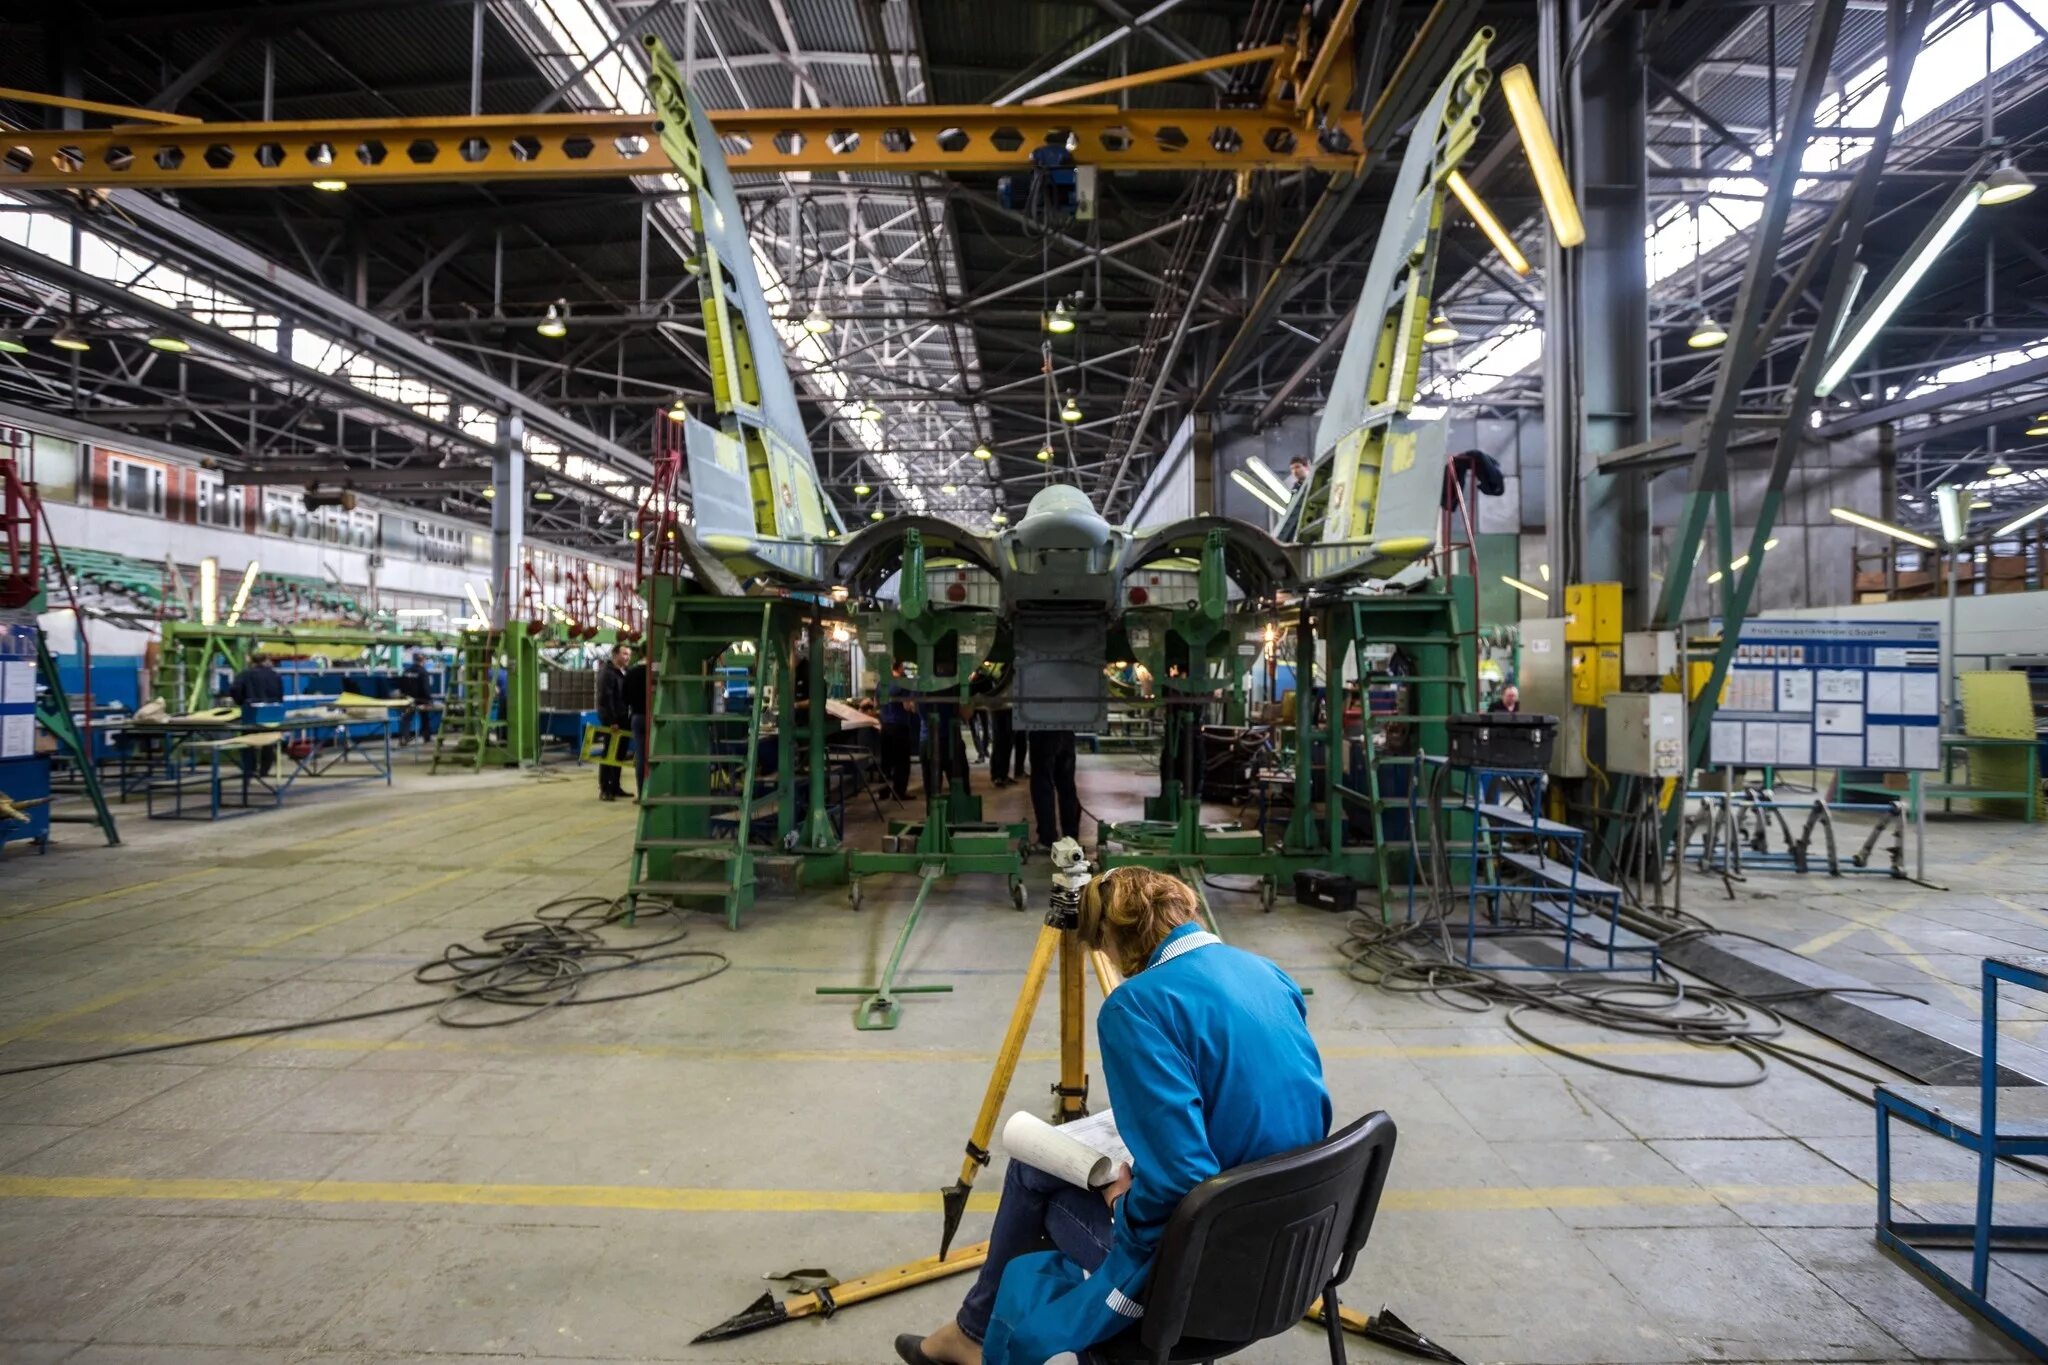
pixel 1054 798
pixel 1509 700
pixel 612 714
pixel 636 710
pixel 992 700
pixel 258 685
pixel 413 686
pixel 899 732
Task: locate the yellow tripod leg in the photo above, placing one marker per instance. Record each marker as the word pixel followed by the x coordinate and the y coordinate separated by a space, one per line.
pixel 955 1195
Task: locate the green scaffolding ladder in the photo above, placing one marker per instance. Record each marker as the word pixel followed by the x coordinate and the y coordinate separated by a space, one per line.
pixel 692 848
pixel 1445 654
pixel 463 741
pixel 53 713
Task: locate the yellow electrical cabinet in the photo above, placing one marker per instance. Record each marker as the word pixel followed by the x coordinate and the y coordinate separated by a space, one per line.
pixel 1592 614
pixel 1596 672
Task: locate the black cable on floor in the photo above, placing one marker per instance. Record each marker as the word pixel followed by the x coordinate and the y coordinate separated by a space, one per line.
pixel 527 967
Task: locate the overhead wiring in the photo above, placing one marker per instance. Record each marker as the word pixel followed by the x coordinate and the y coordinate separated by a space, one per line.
pixel 520 969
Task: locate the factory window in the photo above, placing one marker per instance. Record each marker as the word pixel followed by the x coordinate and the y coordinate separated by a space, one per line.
pixel 218 504
pixel 283 514
pixel 135 487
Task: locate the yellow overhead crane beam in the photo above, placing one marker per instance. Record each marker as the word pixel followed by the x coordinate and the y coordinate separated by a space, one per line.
pixel 1295 129
pixel 758 141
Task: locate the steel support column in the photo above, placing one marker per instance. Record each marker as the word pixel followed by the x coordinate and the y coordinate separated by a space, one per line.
pixel 1607 311
pixel 508 516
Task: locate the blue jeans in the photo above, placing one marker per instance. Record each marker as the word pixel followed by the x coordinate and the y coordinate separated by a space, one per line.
pixel 1037 1211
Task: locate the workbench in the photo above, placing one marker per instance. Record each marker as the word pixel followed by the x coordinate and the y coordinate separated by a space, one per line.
pixel 1948 790
pixel 323 746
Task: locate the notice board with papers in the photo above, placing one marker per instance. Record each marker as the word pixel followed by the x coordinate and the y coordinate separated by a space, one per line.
pixel 1832 694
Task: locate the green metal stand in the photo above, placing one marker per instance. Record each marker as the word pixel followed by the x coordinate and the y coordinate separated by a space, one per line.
pixel 53 713
pixel 881 1009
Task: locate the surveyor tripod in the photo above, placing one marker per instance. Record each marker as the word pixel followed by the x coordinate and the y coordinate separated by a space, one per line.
pixel 1058 938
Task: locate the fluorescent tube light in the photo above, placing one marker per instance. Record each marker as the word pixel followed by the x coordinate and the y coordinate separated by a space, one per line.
pixel 1257 490
pixel 2023 519
pixel 1872 523
pixel 1893 292
pixel 209 591
pixel 1488 224
pixel 1257 469
pixel 1955 516
pixel 1552 184
pixel 242 593
pixel 1529 588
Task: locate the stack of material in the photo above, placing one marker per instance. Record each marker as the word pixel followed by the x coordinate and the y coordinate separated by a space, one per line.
pixel 568 689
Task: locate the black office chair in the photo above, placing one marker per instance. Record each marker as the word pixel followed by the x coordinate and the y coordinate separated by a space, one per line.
pixel 1247 1251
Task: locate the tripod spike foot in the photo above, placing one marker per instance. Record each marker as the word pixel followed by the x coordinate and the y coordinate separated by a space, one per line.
pixel 764 1312
pixel 954 1197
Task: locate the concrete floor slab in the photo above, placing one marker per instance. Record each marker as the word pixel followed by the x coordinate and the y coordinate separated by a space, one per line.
pixel 602 1183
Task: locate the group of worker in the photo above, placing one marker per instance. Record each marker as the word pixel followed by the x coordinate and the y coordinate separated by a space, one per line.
pixel 937 729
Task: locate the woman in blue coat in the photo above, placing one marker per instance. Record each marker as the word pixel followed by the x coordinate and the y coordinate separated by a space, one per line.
pixel 1209 1063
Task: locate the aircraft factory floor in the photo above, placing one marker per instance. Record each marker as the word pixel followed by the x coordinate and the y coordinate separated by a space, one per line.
pixel 604 1183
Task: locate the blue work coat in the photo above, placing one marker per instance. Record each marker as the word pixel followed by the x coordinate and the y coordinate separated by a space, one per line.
pixel 1210 1065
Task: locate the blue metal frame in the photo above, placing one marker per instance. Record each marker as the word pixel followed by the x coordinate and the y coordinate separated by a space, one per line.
pixel 1982 1137
pixel 1560 901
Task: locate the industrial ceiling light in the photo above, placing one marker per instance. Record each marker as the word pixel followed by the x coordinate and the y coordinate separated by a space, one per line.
pixel 633 534
pixel 545 494
pixel 1527 589
pixel 11 342
pixel 2005 184
pixel 998 517
pixel 677 412
pixel 1489 224
pixel 861 490
pixel 950 488
pixel 168 338
pixel 1955 517
pixel 1977 503
pixel 816 323
pixel 332 186
pixel 1060 320
pixel 982 452
pixel 869 412
pixel 2023 519
pixel 1771 544
pixel 552 326
pixel 876 515
pixel 1706 333
pixel 1919 258
pixel 1045 454
pixel 209 590
pixel 1543 572
pixel 1250 484
pixel 2040 427
pixel 1999 470
pixel 1440 332
pixel 1872 523
pixel 1552 185
pixel 1070 411
pixel 242 593
pixel 1276 491
pixel 67 338
pixel 490 491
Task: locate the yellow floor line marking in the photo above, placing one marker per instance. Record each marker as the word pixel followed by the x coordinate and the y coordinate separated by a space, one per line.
pixel 1834 936
pixel 1967 995
pixel 2039 916
pixel 361 910
pixel 702 1199
pixel 833 1056
pixel 107 895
